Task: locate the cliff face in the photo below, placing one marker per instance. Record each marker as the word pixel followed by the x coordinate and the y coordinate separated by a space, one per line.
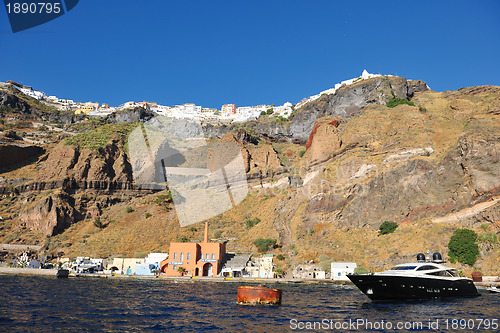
pixel 13 102
pixel 13 155
pixel 15 105
pixel 106 168
pixel 129 116
pixel 348 101
pixel 50 215
pixel 417 189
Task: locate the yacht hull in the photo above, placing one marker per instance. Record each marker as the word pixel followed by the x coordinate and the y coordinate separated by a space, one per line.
pixel 387 287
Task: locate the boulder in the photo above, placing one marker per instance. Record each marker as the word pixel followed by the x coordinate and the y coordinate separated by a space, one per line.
pixel 50 215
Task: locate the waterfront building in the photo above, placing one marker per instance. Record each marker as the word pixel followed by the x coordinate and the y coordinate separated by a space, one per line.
pixel 197 259
pixel 261 267
pixel 339 270
pixel 125 265
pixel 145 269
pixel 308 272
pixel 235 265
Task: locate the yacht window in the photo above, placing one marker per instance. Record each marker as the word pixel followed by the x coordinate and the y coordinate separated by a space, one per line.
pixel 440 273
pixel 403 268
pixel 426 268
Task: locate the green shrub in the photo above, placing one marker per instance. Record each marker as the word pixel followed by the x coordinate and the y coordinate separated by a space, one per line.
pixel 398 101
pixel 270 111
pixel 148 215
pixel 193 229
pixel 387 227
pixel 488 237
pixel 302 152
pixel 183 239
pixel 280 257
pixel 218 234
pixel 361 270
pixel 98 222
pixel 263 244
pixel 279 272
pixel 129 209
pixel 463 247
pixel 163 199
pixel 252 222
pixel 281 119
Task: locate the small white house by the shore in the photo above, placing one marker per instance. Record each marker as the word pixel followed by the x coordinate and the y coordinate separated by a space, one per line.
pixel 339 270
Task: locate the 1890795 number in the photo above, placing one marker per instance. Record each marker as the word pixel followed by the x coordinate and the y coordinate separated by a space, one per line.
pixel 33 8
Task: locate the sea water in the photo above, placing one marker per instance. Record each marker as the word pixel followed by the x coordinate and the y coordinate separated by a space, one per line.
pixel 46 304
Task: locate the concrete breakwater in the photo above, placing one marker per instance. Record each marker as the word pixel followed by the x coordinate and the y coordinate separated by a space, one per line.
pixel 34 271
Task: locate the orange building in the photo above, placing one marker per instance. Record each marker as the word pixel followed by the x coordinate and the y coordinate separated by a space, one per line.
pixel 198 259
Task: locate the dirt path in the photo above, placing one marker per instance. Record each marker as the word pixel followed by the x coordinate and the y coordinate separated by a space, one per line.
pixel 467 212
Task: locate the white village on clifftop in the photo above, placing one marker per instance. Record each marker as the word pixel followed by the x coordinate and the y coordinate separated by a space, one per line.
pixel 227 113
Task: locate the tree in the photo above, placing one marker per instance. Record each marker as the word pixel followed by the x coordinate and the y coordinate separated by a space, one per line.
pixel 280 257
pixel 463 247
pixel 263 244
pixel 181 270
pixel 279 272
pixel 387 227
pixel 361 270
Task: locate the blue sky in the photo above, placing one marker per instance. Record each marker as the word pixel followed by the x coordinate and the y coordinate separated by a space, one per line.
pixel 249 52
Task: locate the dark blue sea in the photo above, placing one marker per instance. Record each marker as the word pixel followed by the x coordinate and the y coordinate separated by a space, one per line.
pixel 44 304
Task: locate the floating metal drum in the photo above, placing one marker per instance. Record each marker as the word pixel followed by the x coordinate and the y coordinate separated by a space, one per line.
pixel 249 295
pixel 477 277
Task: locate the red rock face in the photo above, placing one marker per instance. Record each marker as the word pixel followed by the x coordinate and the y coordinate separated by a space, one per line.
pixel 335 123
pixel 311 136
pixel 49 215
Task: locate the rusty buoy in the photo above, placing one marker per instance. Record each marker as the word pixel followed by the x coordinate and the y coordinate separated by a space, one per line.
pixel 249 295
pixel 477 277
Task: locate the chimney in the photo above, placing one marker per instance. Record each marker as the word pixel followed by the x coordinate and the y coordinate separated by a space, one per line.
pixel 206 232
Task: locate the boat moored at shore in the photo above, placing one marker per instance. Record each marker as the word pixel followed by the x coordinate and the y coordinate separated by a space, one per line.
pixel 418 280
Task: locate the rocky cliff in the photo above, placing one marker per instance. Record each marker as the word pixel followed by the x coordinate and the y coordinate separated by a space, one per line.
pixel 320 183
pixel 348 101
pixel 14 104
